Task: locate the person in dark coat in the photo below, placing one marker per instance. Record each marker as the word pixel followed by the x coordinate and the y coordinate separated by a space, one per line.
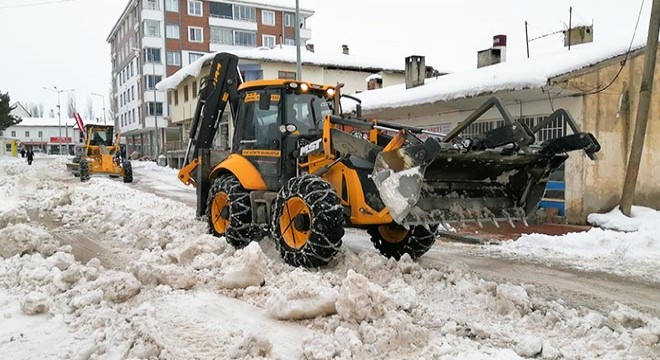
pixel 23 152
pixel 30 156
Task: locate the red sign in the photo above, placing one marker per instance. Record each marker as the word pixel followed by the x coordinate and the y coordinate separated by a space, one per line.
pixel 61 140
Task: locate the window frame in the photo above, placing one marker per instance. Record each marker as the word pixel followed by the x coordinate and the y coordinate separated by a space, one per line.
pixel 201 33
pixel 147 33
pixel 195 3
pixel 176 35
pixel 176 55
pixel 263 17
pixel 270 37
pixel 190 54
pixel 171 8
pixel 289 19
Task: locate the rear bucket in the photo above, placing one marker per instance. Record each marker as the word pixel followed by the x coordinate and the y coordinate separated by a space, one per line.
pixel 426 184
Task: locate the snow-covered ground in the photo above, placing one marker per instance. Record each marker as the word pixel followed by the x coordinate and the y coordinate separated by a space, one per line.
pixel 161 287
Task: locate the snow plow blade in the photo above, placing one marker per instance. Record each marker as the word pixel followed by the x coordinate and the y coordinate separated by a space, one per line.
pixel 487 180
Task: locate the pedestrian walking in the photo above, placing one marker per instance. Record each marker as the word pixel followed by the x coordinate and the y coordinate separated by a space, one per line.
pixel 22 152
pixel 30 156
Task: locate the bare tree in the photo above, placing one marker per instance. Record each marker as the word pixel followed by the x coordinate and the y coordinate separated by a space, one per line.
pixel 112 109
pixel 35 109
pixel 40 107
pixel 71 104
pixel 89 109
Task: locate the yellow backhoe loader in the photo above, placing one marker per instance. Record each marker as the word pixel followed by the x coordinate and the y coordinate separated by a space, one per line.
pixel 300 172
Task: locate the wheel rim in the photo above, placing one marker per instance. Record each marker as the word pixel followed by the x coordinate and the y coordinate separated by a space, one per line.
pixel 295 235
pixel 392 234
pixel 220 204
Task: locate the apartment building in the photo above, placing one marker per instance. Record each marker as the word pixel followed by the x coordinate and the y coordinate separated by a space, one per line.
pixel 153 39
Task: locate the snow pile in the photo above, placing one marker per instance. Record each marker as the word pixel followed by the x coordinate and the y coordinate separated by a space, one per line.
pixel 642 219
pixel 157 291
pixel 635 252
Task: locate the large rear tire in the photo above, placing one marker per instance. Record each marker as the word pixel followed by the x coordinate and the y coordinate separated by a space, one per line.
pixel 393 240
pixel 307 222
pixel 128 171
pixel 229 213
pixel 84 170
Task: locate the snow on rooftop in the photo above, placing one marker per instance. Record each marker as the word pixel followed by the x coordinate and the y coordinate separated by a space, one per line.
pixel 305 5
pixel 514 75
pixel 29 121
pixel 287 54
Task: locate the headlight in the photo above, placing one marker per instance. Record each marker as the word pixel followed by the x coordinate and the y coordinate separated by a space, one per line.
pixel 293 85
pixel 283 129
pixel 330 92
pixel 291 128
pixel 304 87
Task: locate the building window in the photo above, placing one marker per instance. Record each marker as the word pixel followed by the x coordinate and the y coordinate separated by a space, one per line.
pixel 174 58
pixel 194 8
pixel 268 17
pixel 40 133
pixel 176 97
pixel 152 80
pixel 27 134
pixel 244 38
pixel 192 57
pixel 289 41
pixel 13 133
pixel 155 108
pixel 195 34
pixel 151 4
pixel 286 75
pixel 194 89
pixel 172 31
pixel 221 10
pixel 152 55
pixel 185 93
pixel 152 28
pixel 222 36
pixel 245 13
pixel 289 19
pixel 268 41
pixel 172 5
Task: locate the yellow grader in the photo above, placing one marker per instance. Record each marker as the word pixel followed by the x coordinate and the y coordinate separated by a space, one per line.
pixel 100 154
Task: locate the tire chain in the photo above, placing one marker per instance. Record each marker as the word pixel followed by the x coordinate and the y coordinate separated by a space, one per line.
pixel 416 243
pixel 241 231
pixel 326 223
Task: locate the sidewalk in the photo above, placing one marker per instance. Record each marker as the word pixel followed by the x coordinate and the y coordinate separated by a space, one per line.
pixel 474 234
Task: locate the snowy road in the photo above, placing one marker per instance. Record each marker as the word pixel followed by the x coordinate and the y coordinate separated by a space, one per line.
pixel 595 289
pixel 106 270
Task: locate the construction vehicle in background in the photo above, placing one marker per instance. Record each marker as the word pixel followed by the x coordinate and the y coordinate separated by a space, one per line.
pixel 100 154
pixel 299 171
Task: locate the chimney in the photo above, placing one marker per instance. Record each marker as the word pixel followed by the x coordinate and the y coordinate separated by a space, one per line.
pixel 495 55
pixel 344 49
pixel 374 81
pixel 309 47
pixel 579 35
pixel 415 71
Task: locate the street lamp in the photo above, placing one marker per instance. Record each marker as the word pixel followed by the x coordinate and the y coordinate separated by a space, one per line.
pixel 59 116
pixel 153 71
pixel 102 98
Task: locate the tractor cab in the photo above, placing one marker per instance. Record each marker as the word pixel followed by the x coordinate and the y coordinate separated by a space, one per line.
pixel 273 119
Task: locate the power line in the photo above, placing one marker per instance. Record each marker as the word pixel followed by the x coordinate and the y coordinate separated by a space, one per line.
pixel 35 4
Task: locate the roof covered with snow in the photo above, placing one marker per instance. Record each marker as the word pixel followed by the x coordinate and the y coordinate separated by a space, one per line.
pixel 287 54
pixel 515 75
pixel 29 121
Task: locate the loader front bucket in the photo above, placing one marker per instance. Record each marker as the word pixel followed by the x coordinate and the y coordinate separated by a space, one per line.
pixel 433 183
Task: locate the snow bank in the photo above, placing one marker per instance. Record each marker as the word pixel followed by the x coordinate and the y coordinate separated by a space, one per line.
pixel 642 219
pixel 303 298
pixel 631 248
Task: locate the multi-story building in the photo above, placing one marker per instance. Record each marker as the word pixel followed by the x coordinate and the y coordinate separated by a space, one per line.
pixel 152 39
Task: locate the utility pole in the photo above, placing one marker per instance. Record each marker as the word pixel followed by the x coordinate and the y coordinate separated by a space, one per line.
pixel 102 98
pixel 59 117
pixel 527 39
pixel 645 92
pixel 298 61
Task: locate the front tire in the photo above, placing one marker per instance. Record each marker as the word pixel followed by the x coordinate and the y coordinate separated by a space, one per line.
pixel 393 240
pixel 229 213
pixel 84 170
pixel 307 222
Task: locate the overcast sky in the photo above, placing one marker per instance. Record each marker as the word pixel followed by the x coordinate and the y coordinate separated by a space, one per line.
pixel 46 43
